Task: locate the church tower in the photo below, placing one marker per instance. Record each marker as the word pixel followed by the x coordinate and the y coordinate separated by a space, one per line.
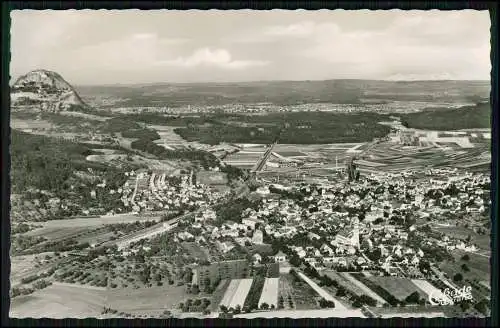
pixel 355 233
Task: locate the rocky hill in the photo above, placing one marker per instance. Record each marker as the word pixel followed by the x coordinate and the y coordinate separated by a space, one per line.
pixel 47 91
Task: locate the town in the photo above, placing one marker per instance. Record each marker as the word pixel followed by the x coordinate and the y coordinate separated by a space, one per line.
pixel 260 164
pixel 372 245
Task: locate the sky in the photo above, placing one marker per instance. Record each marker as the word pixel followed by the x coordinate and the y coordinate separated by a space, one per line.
pixel 93 47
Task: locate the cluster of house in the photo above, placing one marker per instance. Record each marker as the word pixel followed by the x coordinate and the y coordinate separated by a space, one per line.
pixel 220 240
pixel 351 220
pixel 375 224
pixel 151 191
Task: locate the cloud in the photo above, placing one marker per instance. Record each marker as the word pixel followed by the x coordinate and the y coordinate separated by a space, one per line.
pixel 36 33
pixel 137 51
pixel 415 44
pixel 216 57
pixel 95 45
pixel 299 30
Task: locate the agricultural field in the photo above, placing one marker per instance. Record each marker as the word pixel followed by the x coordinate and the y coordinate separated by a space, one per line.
pixel 211 178
pixel 244 158
pixel 286 293
pixel 29 125
pixel 218 294
pixel 93 273
pixel 304 297
pixel 305 314
pixel 343 281
pixel 291 154
pixel 427 287
pixel 80 222
pixel 270 293
pixel 149 301
pixel 389 157
pixel 363 288
pixel 167 135
pixel 195 250
pixel 60 301
pixel 476 272
pixel 105 158
pixel 483 241
pixel 157 272
pixel 29 265
pixel 54 233
pixel 425 311
pixel 230 292
pixel 320 291
pixel 240 293
pixel 400 288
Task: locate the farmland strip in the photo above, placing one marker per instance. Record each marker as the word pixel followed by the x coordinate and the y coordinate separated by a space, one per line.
pixel 231 290
pixel 253 297
pixel 270 292
pixel 241 293
pixel 321 291
pixel 363 287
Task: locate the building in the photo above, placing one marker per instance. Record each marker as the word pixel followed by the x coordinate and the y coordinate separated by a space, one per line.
pixel 250 222
pixel 348 237
pixel 280 257
pixel 235 269
pixel 258 237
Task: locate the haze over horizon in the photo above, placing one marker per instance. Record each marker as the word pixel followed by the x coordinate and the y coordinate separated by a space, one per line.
pixel 89 47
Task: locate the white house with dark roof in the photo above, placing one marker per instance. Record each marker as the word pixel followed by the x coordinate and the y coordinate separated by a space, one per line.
pixel 280 257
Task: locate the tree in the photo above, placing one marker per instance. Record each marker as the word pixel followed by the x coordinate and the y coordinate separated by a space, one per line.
pixel 464 305
pixel 424 266
pixel 413 298
pixel 223 308
pixel 341 291
pixel 357 303
pixel 323 303
pixel 458 277
pixel 482 306
pixel 264 306
pixel 465 267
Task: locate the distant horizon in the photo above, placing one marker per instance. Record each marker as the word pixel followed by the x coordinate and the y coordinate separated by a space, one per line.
pixel 264 81
pixel 12 81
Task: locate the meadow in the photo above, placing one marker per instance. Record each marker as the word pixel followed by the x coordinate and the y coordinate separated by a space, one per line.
pixel 60 301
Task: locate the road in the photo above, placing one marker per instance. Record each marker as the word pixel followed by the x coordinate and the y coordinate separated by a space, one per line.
pixel 264 159
pixel 150 231
pixel 369 313
pixel 322 292
pixel 132 200
pixel 153 187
